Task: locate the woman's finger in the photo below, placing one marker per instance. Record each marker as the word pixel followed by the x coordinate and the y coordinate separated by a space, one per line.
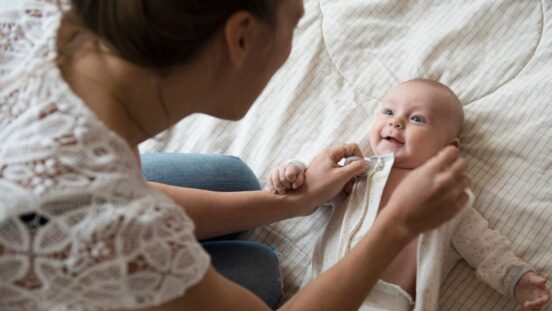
pixel 458 167
pixel 354 169
pixel 346 150
pixel 348 187
pixel 445 158
pixel 450 180
pixel 462 200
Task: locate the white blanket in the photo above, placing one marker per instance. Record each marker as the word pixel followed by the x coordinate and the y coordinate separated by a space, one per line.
pixel 495 54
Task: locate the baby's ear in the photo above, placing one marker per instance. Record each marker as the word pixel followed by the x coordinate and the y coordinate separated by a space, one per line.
pixel 455 142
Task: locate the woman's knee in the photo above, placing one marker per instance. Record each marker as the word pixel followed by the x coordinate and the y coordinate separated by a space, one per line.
pixel 202 171
pixel 237 172
pixel 253 265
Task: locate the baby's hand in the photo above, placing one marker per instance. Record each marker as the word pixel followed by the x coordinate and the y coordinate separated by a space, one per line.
pixel 287 176
pixel 531 292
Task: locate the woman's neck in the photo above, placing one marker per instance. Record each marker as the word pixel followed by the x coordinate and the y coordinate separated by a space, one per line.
pixel 128 99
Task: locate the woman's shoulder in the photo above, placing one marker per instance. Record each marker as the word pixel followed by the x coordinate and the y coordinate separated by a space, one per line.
pixel 103 250
pixel 28 29
pixel 43 124
pixel 72 196
pixel 51 143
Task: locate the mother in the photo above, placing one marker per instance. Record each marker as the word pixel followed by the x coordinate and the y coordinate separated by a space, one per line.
pixel 83 83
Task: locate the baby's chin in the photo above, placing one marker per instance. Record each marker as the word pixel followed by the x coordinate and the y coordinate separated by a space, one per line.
pixel 402 161
pixel 403 167
pixel 407 163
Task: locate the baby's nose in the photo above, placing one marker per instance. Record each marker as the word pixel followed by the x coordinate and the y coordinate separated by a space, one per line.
pixel 395 123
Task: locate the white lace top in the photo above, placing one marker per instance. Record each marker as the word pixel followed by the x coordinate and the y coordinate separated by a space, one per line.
pixel 79 227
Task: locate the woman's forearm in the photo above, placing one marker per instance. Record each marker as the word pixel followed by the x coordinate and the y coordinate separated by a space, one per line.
pixel 219 213
pixel 343 287
pixel 352 278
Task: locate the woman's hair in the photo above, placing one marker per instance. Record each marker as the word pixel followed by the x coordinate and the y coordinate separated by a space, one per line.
pixel 161 33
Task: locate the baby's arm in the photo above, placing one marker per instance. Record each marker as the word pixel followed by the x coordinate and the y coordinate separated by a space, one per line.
pixel 490 253
pixel 286 177
pixel 531 292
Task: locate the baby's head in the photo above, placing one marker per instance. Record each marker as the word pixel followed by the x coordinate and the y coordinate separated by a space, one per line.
pixel 416 119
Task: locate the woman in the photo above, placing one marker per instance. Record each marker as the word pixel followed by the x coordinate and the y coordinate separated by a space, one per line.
pixel 80 228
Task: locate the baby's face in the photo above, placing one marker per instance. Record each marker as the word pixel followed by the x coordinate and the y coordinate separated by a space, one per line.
pixel 414 122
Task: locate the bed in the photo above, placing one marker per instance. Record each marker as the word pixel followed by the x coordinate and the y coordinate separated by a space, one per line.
pixel 496 55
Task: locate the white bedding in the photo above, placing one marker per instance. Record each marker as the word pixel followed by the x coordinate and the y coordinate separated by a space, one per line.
pixel 496 55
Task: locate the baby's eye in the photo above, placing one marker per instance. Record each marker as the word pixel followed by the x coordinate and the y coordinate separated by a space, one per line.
pixel 387 112
pixel 417 119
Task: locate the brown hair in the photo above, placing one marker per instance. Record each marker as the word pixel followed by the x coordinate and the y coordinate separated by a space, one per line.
pixel 161 33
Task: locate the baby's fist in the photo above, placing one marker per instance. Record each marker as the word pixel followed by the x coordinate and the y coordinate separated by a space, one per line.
pixel 531 292
pixel 286 177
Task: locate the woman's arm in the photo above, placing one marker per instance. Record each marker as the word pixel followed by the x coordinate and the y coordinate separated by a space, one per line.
pixel 343 287
pixel 346 285
pixel 218 213
pixel 214 292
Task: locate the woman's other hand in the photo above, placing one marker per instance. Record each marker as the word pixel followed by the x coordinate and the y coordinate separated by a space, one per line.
pixel 432 194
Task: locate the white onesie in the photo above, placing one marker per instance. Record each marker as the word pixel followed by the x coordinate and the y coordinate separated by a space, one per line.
pixel 466 236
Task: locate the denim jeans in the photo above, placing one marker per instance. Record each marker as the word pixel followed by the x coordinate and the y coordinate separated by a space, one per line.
pixel 250 264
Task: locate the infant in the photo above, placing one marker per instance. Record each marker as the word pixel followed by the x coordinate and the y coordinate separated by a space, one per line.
pixel 417 119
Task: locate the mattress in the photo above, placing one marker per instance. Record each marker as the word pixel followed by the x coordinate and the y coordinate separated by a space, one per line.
pixel 497 57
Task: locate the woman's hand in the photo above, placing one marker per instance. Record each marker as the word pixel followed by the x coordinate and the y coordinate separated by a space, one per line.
pixel 432 194
pixel 324 178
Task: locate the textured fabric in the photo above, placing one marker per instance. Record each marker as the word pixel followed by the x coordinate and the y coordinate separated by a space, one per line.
pixel 214 172
pixel 496 55
pixel 80 229
pixel 466 236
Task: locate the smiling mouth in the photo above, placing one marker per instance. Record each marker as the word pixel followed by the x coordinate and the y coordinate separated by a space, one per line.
pixel 393 140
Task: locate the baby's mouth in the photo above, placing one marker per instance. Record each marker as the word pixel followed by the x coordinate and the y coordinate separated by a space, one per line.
pixel 393 140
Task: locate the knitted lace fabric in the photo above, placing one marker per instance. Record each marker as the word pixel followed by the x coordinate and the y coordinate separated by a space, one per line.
pixel 79 227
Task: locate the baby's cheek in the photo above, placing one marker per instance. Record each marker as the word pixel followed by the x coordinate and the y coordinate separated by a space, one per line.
pixel 373 139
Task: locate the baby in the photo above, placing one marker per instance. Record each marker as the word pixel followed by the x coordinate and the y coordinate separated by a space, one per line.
pixel 416 120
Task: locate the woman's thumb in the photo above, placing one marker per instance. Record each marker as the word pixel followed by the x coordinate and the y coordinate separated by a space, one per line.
pixel 353 169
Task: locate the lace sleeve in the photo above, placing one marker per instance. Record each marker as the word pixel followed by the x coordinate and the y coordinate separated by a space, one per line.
pixel 97 258
pixel 79 226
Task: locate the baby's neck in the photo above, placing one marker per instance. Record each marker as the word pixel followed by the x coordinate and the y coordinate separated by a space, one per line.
pixel 402 169
pixel 396 169
pixel 397 174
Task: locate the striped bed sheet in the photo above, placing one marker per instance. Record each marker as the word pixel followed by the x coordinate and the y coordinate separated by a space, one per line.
pixel 496 55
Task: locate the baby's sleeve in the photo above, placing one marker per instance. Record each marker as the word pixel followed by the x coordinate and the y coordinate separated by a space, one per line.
pixel 489 252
